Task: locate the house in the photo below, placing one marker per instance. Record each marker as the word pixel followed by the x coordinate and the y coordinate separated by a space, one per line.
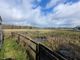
pixel 77 28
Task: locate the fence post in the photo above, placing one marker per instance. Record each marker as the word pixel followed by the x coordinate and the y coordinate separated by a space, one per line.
pixel 37 52
pixel 18 40
pixel 12 34
pixel 1 40
pixel 18 37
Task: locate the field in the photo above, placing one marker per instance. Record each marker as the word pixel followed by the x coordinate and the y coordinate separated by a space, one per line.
pixel 66 42
pixel 11 50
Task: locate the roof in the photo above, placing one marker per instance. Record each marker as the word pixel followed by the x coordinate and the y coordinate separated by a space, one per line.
pixel 0 18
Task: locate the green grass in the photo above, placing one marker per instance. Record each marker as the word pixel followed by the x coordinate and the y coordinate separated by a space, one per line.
pixel 11 49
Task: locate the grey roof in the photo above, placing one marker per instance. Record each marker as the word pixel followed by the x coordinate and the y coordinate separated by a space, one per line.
pixel 0 18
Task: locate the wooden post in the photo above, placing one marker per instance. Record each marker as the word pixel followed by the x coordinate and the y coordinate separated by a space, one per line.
pixel 2 38
pixel 18 40
pixel 37 52
pixel 18 37
pixel 11 34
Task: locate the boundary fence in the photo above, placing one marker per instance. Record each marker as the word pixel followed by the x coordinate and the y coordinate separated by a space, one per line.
pixel 36 50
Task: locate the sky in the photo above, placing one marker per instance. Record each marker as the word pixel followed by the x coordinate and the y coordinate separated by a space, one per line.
pixel 41 13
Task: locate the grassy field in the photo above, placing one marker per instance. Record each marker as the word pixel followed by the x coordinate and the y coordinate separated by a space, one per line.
pixel 60 40
pixel 56 40
pixel 56 37
pixel 60 36
pixel 12 50
pixel 25 30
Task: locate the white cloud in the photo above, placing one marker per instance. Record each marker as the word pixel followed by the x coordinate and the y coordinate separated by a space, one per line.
pixel 69 12
pixel 63 14
pixel 7 11
pixel 52 3
pixel 65 10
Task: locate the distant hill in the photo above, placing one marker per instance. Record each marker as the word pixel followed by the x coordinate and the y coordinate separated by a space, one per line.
pixel 4 26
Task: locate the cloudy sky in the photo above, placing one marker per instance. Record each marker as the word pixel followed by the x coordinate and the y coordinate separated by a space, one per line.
pixel 42 13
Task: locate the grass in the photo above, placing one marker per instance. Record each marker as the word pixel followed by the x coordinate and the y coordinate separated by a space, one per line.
pixel 24 30
pixel 56 39
pixel 11 49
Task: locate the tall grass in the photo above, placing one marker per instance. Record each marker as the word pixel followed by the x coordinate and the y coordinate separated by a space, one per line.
pixel 59 39
pixel 55 38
